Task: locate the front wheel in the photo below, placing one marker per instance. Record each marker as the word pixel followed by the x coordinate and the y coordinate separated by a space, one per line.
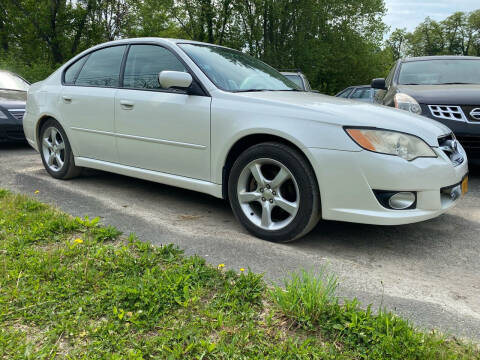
pixel 274 193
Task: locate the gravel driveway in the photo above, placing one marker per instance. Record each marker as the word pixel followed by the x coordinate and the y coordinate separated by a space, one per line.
pixel 428 272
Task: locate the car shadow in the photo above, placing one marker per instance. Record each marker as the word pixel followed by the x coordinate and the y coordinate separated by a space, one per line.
pixel 14 146
pixel 348 240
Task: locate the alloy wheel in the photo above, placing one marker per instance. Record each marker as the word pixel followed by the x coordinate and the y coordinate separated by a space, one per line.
pixel 268 194
pixel 53 147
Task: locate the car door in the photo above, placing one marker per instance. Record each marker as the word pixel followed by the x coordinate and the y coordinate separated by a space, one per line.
pixel 160 129
pixel 87 103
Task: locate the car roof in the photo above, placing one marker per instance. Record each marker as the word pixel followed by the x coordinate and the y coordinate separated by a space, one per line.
pixel 442 57
pixel 153 39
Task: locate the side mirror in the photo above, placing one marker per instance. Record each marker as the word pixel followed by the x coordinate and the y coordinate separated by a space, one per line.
pixel 379 84
pixel 175 79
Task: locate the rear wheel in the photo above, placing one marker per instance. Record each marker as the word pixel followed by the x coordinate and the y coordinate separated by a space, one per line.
pixel 57 155
pixel 274 193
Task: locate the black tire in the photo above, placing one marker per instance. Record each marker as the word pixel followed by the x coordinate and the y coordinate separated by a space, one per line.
pixel 68 170
pixel 308 213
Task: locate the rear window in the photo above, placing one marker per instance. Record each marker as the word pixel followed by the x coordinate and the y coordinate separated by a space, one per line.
pixel 102 68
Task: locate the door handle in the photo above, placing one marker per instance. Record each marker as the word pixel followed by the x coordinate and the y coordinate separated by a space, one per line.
pixel 126 105
pixel 67 99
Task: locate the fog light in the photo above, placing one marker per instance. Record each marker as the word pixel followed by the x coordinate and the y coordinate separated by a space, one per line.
pixel 402 200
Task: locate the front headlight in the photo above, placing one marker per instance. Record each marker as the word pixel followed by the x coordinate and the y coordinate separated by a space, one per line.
pixel 3 116
pixel 408 147
pixel 406 102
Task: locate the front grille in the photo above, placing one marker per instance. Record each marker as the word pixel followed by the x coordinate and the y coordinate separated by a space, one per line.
pixel 447 112
pixel 456 112
pixel 472 113
pixel 448 144
pixel 17 113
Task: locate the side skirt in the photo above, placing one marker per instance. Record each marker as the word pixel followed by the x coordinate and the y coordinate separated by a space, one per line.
pixel 155 176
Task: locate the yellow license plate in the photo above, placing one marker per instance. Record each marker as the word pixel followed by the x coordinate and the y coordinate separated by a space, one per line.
pixel 465 185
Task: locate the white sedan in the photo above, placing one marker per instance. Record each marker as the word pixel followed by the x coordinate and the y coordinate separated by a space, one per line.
pixel 214 120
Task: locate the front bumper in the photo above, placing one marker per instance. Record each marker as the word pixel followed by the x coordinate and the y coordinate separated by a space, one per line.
pixel 347 180
pixel 11 133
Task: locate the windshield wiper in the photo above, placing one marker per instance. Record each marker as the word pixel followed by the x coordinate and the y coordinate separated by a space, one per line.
pixel 456 83
pixel 252 90
pixel 257 90
pixel 13 89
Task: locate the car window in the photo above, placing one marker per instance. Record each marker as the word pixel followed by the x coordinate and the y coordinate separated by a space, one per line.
pixel 345 93
pixel 11 81
pixel 102 68
pixel 72 71
pixel 297 79
pixel 145 62
pixel 307 85
pixel 361 93
pixel 389 79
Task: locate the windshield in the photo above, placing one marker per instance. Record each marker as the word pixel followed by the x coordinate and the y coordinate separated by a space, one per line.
pixel 438 72
pixel 12 82
pixel 232 70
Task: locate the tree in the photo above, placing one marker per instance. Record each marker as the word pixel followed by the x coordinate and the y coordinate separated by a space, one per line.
pixel 458 34
pixel 397 42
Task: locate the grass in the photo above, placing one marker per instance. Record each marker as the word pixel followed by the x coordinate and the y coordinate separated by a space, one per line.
pixel 70 288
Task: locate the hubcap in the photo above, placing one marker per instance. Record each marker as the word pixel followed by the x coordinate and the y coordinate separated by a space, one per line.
pixel 53 148
pixel 268 194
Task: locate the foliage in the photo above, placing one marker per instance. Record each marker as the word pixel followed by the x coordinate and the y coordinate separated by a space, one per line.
pixel 70 288
pixel 458 34
pixel 336 43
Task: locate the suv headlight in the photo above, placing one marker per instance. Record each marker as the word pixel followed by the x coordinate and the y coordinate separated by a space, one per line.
pixel 406 102
pixel 3 116
pixel 408 147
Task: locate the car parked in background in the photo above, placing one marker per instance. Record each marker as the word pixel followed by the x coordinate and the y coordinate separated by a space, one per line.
pixel 298 78
pixel 215 120
pixel 363 93
pixel 443 88
pixel 13 96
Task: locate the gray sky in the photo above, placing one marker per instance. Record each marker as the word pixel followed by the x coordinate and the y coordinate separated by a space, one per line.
pixel 409 13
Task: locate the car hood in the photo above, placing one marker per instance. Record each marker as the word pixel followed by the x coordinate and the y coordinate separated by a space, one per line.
pixel 11 99
pixel 461 94
pixel 333 110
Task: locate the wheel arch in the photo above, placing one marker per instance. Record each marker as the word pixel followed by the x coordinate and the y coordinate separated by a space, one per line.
pixel 42 120
pixel 248 141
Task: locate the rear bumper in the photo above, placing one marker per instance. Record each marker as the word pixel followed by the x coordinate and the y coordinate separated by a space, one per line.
pixel 347 180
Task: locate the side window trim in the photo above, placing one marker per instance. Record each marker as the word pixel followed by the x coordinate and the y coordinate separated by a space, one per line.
pixel 127 45
pixel 122 66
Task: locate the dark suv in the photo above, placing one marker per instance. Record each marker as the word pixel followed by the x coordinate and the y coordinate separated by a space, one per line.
pixel 13 96
pixel 443 88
